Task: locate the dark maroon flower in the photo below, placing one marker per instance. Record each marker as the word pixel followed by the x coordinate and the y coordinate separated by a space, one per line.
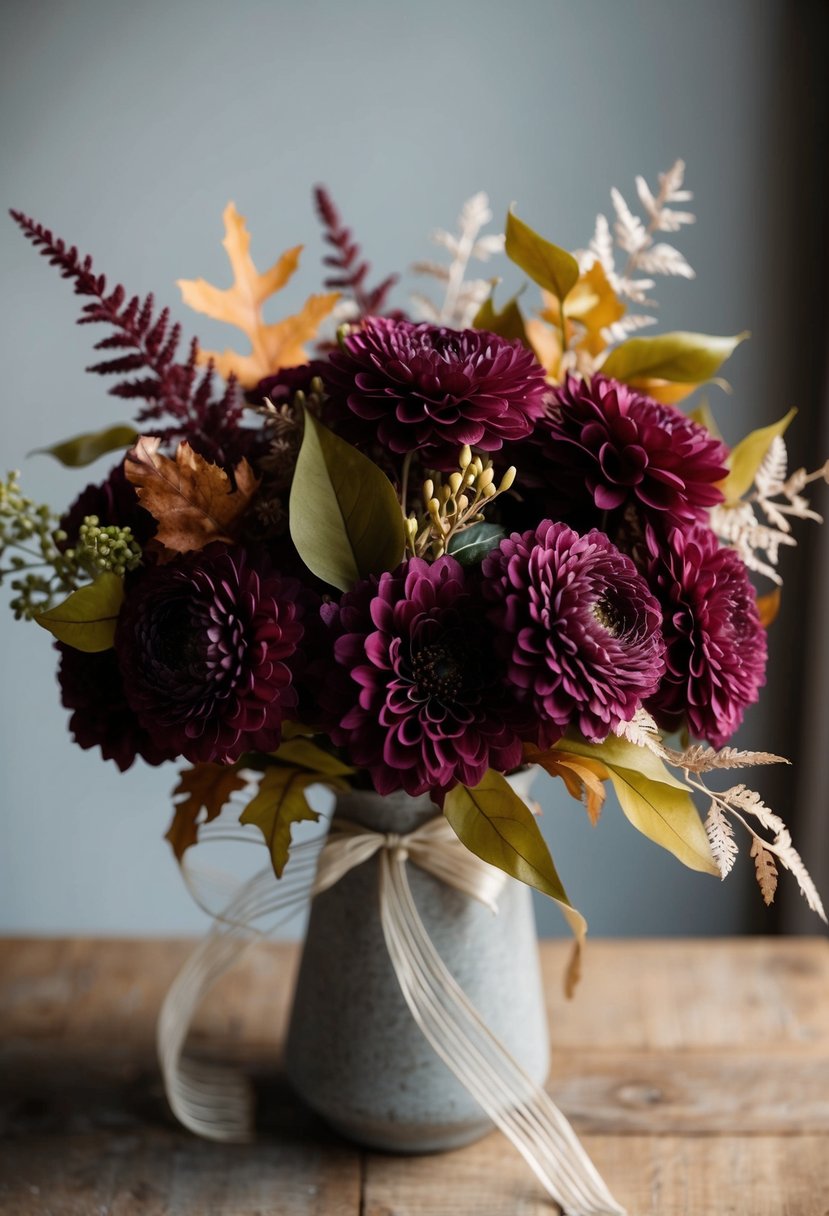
pixel 716 645
pixel 422 387
pixel 114 501
pixel 420 703
pixel 607 445
pixel 91 686
pixel 208 645
pixel 578 629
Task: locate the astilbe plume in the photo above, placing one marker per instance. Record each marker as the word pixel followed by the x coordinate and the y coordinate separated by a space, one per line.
pixel 351 269
pixel 147 341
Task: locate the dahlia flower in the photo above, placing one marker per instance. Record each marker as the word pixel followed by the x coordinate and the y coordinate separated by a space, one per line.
pixel 607 445
pixel 421 387
pixel 207 645
pixel 577 627
pixel 420 703
pixel 716 645
pixel 92 687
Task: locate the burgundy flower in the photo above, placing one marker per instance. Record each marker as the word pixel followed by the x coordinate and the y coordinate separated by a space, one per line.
pixel 207 645
pixel 420 703
pixel 422 387
pixel 91 686
pixel 716 645
pixel 607 445
pixel 578 628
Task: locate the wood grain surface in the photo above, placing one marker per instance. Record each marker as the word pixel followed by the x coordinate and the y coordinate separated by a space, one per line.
pixel 696 1072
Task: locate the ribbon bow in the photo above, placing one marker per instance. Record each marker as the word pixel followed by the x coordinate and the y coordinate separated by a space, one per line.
pixel 216 1102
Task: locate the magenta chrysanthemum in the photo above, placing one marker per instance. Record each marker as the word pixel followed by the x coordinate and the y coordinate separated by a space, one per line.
pixel 716 645
pixel 92 687
pixel 607 445
pixel 424 388
pixel 421 705
pixel 578 629
pixel 207 645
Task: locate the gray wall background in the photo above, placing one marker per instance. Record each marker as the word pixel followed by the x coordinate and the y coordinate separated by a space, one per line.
pixel 127 127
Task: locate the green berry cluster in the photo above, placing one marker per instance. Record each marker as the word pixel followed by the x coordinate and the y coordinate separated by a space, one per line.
pixel 41 570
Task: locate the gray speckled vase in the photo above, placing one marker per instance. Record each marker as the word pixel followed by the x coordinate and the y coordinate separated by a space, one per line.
pixel 354 1053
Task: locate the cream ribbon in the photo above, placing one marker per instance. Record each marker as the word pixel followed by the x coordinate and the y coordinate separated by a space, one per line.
pixel 216 1102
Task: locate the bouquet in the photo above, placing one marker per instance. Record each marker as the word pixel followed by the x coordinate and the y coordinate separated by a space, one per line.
pixel 417 552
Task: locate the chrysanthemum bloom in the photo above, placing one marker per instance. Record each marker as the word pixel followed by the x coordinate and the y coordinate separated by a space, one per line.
pixel 207 645
pixel 421 704
pixel 92 687
pixel 577 627
pixel 716 645
pixel 429 389
pixel 607 445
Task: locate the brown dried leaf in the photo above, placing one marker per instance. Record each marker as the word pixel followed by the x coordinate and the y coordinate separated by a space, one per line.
pixel 205 787
pixel 192 500
pixel 273 346
pixel 765 870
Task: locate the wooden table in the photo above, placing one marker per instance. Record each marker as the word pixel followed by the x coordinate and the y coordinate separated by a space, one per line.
pixel 697 1073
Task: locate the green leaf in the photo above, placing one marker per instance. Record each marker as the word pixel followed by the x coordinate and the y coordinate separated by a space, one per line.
pixel 473 544
pixel 552 268
pixel 497 826
pixel 86 619
pixel 748 455
pixel 84 449
pixel 507 322
pixel 280 802
pixel 305 754
pixel 346 521
pixel 656 803
pixel 682 357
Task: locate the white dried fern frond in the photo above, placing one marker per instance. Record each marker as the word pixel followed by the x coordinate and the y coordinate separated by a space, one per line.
pixel 629 324
pixel 462 298
pixel 642 731
pixel 721 838
pixel 700 758
pixel 664 259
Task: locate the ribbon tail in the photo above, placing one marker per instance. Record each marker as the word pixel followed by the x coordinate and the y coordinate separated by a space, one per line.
pixel 212 1100
pixel 522 1110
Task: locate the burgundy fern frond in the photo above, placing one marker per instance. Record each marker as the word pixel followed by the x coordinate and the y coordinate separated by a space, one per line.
pixel 346 260
pixel 150 343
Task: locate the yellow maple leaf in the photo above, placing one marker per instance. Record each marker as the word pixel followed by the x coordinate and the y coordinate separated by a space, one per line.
pixel 590 307
pixel 192 500
pixel 274 346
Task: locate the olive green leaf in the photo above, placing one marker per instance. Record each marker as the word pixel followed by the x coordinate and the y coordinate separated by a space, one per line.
pixel 279 802
pixel 748 455
pixel 302 752
pixel 506 322
pixel 86 619
pixel 84 449
pixel 656 802
pixel 346 521
pixel 552 268
pixel 472 544
pixel 497 826
pixel 682 357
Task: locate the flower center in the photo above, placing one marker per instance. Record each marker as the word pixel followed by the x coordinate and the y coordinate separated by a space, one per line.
pixel 609 616
pixel 437 672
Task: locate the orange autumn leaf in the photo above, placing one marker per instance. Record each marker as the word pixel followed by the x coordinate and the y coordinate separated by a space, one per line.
pixel 583 777
pixel 589 309
pixel 192 500
pixel 768 606
pixel 206 787
pixel 281 344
